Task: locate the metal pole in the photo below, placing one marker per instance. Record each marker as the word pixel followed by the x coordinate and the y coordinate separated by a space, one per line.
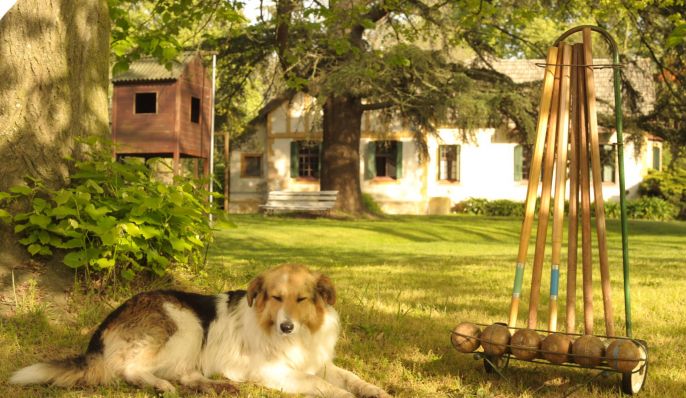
pixel 214 68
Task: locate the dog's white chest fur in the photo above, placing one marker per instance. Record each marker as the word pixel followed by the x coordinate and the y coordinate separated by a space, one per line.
pixel 241 350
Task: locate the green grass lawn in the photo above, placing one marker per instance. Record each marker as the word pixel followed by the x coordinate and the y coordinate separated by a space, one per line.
pixel 403 283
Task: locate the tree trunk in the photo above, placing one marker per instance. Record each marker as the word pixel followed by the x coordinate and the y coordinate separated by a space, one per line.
pixel 54 63
pixel 340 151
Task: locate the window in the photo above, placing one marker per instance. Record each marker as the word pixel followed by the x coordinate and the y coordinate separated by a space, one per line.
pixel 522 162
pixel 251 166
pixel 195 110
pixel 384 159
pixel 449 162
pixel 607 162
pixel 657 157
pixel 305 159
pixel 146 103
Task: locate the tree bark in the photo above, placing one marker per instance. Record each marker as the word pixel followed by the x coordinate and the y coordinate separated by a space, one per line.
pixel 54 63
pixel 340 151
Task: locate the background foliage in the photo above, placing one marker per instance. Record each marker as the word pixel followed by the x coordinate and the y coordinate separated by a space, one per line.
pixel 115 218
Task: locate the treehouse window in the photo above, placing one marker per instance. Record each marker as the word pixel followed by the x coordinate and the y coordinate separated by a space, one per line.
pixel 195 110
pixel 146 103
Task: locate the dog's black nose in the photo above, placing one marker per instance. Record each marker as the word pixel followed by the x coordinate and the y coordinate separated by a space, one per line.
pixel 287 327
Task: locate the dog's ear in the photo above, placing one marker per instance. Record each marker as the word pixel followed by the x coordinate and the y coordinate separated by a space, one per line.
pixel 326 290
pixel 254 288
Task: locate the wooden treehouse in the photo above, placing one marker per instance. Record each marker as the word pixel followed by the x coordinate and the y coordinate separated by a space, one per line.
pixel 160 112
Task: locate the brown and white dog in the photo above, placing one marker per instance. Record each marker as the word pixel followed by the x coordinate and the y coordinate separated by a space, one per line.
pixel 280 333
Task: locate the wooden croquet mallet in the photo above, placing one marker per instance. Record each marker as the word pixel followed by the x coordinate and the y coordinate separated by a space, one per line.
pixel 597 185
pixel 560 182
pixel 544 209
pixel 532 188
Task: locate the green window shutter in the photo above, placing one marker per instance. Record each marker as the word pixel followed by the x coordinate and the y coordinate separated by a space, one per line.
pixel 518 155
pixel 399 160
pixel 440 173
pixel 294 159
pixel 457 162
pixel 370 161
pixel 656 157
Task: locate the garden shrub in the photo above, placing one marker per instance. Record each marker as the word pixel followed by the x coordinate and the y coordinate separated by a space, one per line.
pixel 504 208
pixel 669 185
pixel 471 206
pixel 115 218
pixel 371 205
pixel 650 208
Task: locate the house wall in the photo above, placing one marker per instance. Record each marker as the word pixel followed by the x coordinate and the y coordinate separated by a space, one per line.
pixel 486 166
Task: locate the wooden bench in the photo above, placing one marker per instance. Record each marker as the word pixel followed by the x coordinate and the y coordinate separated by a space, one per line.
pixel 309 202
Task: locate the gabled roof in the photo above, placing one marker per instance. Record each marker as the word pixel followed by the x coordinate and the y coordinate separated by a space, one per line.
pixel 639 74
pixel 149 69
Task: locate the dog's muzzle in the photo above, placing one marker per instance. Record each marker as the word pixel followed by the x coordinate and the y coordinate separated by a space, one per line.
pixel 286 327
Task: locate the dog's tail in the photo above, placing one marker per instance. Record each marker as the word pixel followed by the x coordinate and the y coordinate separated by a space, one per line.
pixel 85 369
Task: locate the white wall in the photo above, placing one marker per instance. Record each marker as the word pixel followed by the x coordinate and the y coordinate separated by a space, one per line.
pixel 486 165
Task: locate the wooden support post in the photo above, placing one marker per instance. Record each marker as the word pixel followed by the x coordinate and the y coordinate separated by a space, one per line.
pixel 227 172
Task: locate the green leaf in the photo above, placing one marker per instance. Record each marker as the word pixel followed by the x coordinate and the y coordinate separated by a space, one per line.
pixel 44 237
pixel 20 227
pixel 96 213
pixel 75 259
pixel 39 204
pixel 104 263
pixel 72 243
pixel 4 195
pixel 40 220
pixel 179 244
pixel 127 274
pixel 21 190
pixel 29 239
pixel 4 214
pixel 150 232
pixel 61 197
pixel 62 211
pixel 34 248
pixel 131 229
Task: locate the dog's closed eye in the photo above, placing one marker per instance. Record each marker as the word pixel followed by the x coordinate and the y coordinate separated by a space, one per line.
pixel 278 298
pixel 301 299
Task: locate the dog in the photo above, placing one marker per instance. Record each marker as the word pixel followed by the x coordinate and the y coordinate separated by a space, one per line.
pixel 280 333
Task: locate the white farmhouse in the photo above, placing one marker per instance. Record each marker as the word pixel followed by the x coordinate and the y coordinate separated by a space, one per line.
pixel 282 153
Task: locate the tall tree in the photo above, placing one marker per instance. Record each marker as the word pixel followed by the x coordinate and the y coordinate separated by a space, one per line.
pixel 396 57
pixel 54 66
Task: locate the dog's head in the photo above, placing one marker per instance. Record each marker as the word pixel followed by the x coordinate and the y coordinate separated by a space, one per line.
pixel 290 297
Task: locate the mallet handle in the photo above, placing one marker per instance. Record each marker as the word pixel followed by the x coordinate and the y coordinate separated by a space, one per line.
pixel 587 268
pixel 573 230
pixel 544 210
pixel 560 183
pixel 598 186
pixel 532 188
